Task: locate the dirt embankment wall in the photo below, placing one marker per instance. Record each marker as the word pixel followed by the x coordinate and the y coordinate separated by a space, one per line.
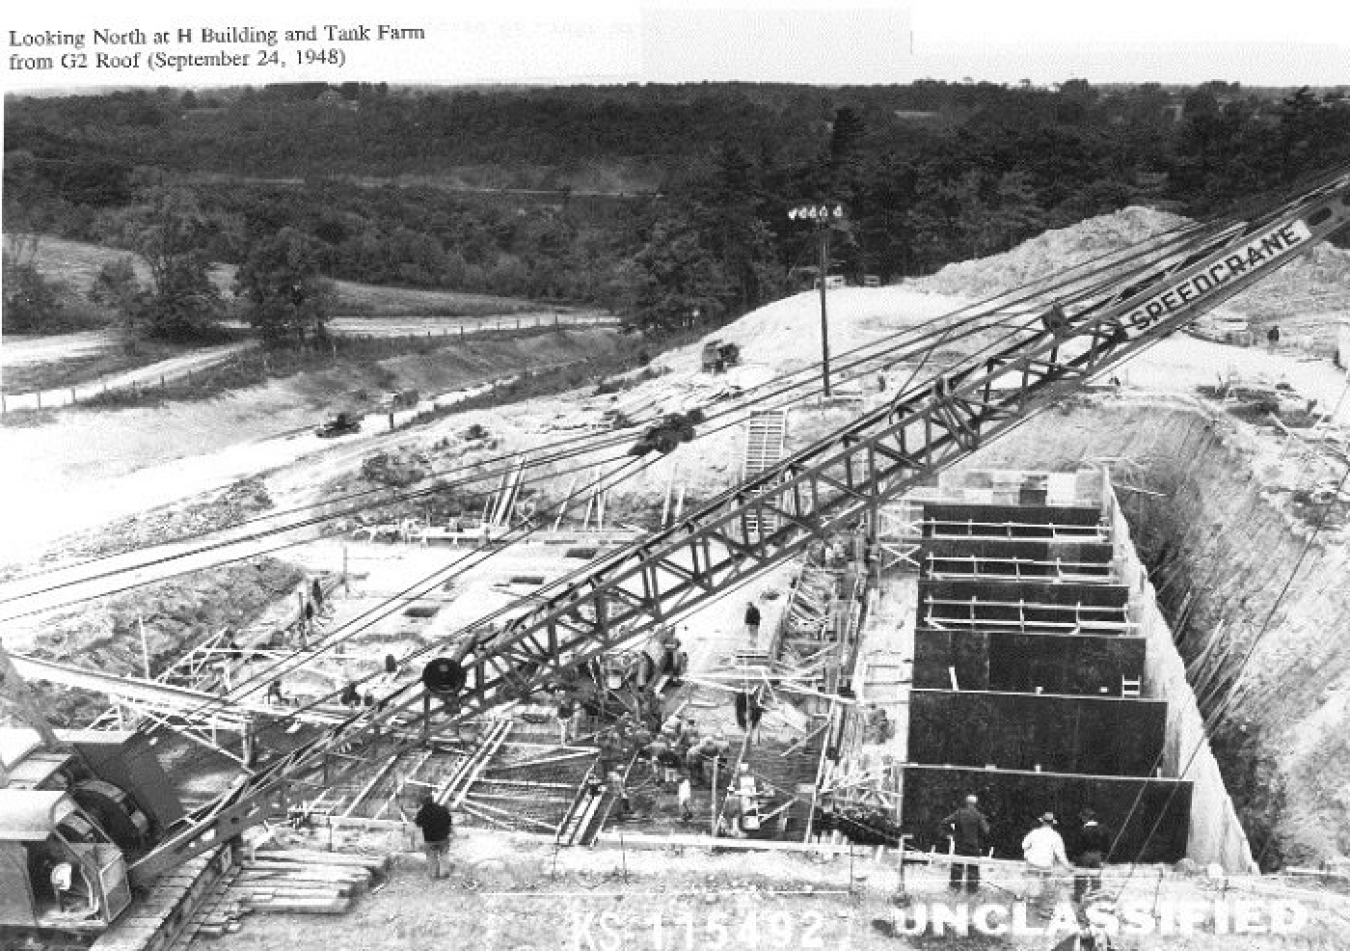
pixel 1222 518
pixel 1215 834
pixel 176 614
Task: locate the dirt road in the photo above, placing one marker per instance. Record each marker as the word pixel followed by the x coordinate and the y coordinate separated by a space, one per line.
pixel 174 368
pixel 450 326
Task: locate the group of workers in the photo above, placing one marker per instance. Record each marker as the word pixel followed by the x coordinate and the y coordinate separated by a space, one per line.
pixel 1043 850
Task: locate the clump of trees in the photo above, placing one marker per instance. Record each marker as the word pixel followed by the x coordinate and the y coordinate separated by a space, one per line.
pixel 167 233
pixel 30 300
pixel 279 288
pixel 281 292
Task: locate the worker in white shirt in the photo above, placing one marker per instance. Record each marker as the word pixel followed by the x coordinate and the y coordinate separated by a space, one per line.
pixel 63 874
pixel 1043 850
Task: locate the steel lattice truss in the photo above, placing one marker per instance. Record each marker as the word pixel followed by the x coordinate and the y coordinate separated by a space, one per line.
pixel 823 489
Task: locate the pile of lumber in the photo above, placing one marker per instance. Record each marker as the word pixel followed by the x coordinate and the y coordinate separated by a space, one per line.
pixel 293 881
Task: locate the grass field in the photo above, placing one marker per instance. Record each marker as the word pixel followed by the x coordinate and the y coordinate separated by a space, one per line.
pixel 369 300
pixel 75 264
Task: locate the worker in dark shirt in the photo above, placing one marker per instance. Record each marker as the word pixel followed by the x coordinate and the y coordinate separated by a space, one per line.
pixel 1094 844
pixel 968 830
pixel 435 822
pixel 752 619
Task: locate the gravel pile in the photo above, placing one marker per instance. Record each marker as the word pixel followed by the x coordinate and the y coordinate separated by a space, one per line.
pixel 1050 253
pixel 1318 283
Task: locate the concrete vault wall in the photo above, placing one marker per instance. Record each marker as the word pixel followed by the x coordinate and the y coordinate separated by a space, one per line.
pixel 1221 513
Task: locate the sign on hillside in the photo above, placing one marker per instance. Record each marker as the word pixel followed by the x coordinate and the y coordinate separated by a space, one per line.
pixel 817 211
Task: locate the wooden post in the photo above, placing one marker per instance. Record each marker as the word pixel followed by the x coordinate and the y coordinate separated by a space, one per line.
pixel 665 506
pixel 712 797
pixel 145 646
pixel 301 624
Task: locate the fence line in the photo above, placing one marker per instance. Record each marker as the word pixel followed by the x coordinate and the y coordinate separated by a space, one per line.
pixel 75 394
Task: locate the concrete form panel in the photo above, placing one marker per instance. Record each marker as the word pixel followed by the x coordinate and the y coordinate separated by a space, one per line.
pixel 1150 815
pixel 1025 520
pixel 1032 592
pixel 1080 664
pixel 1030 557
pixel 1111 737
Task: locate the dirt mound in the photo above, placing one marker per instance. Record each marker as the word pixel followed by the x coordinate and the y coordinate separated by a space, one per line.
pixel 1051 252
pixel 1317 283
pixel 211 512
pixel 785 336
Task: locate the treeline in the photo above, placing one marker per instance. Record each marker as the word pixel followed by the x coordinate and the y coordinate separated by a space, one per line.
pixel 930 173
pixel 422 236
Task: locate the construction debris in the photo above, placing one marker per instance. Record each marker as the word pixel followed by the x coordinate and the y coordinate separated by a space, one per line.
pixel 288 881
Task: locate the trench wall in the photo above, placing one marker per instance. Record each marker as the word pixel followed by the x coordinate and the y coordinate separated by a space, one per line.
pixel 1215 834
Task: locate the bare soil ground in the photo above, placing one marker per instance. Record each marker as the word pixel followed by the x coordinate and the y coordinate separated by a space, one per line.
pixel 1226 507
pixel 174 616
pixel 87 468
pixel 521 895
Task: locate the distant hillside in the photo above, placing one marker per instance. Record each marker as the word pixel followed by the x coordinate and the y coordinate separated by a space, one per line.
pixel 483 191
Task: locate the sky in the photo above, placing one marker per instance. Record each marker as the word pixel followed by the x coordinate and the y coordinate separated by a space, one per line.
pixel 855 41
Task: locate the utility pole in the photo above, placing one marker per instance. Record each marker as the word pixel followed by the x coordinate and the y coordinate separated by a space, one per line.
pixel 824 232
pixel 824 214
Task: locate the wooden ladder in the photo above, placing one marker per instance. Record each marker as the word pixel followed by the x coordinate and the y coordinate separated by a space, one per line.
pixel 763 450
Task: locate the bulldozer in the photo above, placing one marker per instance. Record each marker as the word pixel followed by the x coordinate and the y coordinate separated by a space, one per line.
pixel 339 424
pixel 719 356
